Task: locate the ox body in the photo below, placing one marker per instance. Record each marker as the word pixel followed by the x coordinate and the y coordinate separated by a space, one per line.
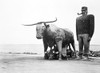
pixel 53 35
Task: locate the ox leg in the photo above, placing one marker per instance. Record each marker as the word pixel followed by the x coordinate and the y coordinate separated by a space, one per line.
pixel 59 44
pixel 71 52
pixel 46 55
pixel 51 54
pixel 64 52
pixel 69 46
pixel 45 51
pixel 73 45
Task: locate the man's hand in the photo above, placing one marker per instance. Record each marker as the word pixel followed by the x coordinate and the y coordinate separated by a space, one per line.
pixel 89 39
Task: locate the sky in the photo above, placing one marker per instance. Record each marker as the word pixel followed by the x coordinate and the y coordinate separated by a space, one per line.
pixel 14 13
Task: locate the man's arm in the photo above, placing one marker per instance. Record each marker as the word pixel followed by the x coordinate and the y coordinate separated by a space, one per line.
pixel 76 29
pixel 91 18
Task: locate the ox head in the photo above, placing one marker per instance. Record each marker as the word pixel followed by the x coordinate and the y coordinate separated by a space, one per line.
pixel 40 28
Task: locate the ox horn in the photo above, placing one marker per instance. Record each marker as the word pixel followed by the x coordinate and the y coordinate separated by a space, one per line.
pixel 51 21
pixel 34 24
pixel 41 23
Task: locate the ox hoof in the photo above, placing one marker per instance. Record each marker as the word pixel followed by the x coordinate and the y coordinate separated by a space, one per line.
pixel 64 58
pixel 60 59
pixel 50 58
pixel 46 56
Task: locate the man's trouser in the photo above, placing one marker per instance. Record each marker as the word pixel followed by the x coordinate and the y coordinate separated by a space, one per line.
pixel 83 43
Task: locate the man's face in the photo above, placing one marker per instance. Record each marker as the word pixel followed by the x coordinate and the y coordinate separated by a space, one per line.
pixel 84 11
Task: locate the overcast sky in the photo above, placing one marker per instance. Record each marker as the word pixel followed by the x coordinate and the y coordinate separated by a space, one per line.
pixel 14 13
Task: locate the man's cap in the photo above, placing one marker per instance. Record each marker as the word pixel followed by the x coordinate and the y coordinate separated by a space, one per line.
pixel 84 8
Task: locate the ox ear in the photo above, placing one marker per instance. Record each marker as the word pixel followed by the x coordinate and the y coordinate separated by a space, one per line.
pixel 48 26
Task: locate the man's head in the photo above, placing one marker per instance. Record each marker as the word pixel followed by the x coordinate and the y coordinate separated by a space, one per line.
pixel 84 10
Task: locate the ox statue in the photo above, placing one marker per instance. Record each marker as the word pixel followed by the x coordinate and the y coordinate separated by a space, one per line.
pixel 53 35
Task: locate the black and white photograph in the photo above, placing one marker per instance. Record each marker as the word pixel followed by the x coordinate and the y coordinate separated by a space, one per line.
pixel 49 36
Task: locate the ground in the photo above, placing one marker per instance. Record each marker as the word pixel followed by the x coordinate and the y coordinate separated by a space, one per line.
pixel 34 63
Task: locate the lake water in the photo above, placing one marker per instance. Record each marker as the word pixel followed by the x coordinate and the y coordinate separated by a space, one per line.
pixel 34 48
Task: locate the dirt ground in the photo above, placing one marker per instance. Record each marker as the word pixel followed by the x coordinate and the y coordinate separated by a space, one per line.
pixel 25 63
